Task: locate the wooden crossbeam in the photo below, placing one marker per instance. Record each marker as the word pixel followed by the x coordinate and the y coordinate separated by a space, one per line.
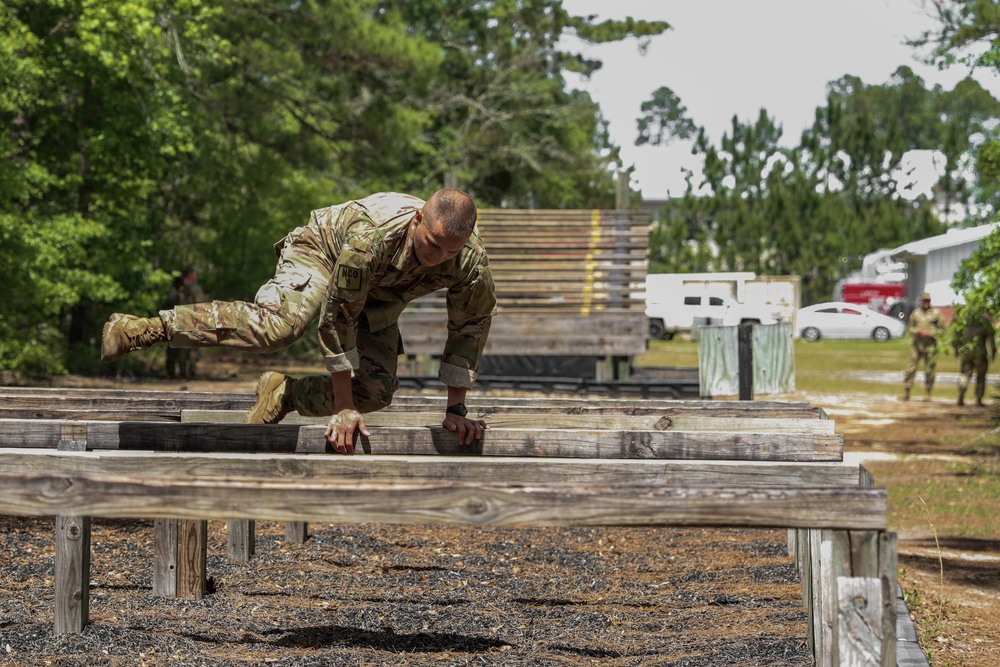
pixel 219 400
pixel 531 442
pixel 549 421
pixel 458 468
pixel 348 501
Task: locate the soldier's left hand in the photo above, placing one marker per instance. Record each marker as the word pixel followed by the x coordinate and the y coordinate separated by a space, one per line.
pixel 468 430
pixel 340 431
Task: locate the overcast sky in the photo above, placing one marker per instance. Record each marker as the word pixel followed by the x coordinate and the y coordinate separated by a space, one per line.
pixel 732 57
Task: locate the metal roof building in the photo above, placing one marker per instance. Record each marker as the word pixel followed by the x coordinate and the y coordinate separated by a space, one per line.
pixel 933 262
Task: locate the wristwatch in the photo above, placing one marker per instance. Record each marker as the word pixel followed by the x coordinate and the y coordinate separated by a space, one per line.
pixel 458 409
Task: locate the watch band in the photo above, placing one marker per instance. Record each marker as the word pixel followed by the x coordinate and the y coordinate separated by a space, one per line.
pixel 458 409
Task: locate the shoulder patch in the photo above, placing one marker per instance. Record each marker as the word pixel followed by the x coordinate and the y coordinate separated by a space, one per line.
pixel 350 278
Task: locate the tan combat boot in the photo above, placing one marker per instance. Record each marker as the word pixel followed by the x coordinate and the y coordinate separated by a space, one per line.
pixel 927 395
pixel 274 398
pixel 906 394
pixel 128 333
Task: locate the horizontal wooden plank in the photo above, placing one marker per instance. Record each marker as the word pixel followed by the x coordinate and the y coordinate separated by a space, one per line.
pixel 621 321
pixel 432 342
pixel 350 501
pixel 550 421
pixel 422 468
pixel 123 399
pixel 566 443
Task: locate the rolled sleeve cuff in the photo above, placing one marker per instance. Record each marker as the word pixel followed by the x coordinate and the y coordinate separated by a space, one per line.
pixel 346 361
pixel 456 376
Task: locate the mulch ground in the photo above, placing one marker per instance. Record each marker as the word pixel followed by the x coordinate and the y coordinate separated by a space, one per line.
pixel 419 595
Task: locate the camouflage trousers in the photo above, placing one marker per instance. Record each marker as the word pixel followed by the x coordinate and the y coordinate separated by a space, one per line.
pixel 923 349
pixel 281 312
pixel 979 365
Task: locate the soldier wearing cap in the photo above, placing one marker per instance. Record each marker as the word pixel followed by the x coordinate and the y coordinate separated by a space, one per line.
pixel 354 266
pixel 925 325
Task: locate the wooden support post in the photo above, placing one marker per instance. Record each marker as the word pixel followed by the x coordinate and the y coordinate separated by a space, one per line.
pixel 242 544
pixel 745 360
pixel 887 554
pixel 192 554
pixel 165 558
pixel 72 595
pixel 859 618
pixel 181 552
pixel 296 532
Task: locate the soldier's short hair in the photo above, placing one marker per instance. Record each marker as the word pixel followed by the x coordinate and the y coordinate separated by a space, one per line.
pixel 455 210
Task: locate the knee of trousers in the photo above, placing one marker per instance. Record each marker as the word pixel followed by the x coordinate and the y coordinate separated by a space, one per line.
pixel 312 396
pixel 232 324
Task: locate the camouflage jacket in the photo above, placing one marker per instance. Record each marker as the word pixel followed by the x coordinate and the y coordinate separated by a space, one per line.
pixel 925 324
pixel 376 273
pixel 975 339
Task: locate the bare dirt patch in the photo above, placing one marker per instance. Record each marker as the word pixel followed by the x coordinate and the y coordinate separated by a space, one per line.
pixel 411 595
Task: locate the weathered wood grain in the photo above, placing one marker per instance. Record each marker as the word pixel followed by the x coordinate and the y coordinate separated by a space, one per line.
pixel 572 443
pixel 549 421
pixel 439 468
pixel 72 573
pixel 120 399
pixel 442 502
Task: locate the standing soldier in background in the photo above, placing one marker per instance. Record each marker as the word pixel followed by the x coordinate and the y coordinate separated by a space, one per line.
pixel 925 325
pixel 974 343
pixel 191 293
pixel 354 266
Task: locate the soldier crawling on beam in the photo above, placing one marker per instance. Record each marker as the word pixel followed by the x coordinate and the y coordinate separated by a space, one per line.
pixel 355 266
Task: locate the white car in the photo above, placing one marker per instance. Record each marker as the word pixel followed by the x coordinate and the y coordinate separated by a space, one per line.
pixel 837 319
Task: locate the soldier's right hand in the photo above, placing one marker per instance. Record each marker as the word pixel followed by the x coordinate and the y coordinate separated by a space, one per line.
pixel 340 431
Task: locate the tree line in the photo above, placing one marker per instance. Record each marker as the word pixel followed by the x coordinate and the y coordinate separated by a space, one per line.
pixel 141 136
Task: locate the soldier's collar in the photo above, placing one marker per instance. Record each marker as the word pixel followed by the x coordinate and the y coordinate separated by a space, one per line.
pixel 405 257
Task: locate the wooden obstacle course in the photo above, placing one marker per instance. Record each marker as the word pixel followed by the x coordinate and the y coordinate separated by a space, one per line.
pixel 834 513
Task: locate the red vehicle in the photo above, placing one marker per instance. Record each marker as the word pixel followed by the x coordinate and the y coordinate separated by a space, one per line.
pixel 885 298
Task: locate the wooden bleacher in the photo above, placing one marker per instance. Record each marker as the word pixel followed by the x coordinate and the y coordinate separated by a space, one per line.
pixel 568 283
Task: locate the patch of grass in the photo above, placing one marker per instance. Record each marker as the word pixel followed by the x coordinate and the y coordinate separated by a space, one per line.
pixel 962 496
pixel 822 356
pixel 931 613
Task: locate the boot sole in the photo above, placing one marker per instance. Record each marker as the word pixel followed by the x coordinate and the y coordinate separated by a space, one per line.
pixel 267 383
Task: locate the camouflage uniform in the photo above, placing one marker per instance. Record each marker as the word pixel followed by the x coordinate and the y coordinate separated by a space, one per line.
pixel 924 347
pixel 353 267
pixel 188 358
pixel 974 343
pixel 174 299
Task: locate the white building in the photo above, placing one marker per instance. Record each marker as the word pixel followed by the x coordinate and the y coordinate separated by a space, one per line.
pixel 932 263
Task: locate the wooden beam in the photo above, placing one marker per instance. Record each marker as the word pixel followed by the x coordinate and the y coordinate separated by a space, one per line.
pixel 438 468
pixel 120 399
pixel 349 501
pixel 563 421
pixel 165 534
pixel 72 572
pixel 572 443
pixel 242 541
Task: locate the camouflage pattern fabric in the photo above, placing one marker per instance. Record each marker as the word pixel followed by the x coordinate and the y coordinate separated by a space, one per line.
pixel 354 268
pixel 924 326
pixel 975 343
